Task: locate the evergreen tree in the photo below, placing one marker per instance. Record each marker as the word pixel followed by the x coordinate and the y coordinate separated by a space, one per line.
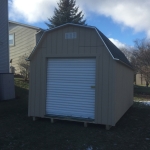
pixel 66 12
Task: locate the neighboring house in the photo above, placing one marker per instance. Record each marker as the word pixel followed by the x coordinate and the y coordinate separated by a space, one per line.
pixel 22 40
pixel 77 73
pixel 139 79
pixel 6 79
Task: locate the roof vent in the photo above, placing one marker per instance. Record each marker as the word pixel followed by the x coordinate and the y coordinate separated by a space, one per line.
pixel 71 35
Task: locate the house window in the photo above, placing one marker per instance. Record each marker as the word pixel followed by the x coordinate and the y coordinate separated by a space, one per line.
pixel 11 40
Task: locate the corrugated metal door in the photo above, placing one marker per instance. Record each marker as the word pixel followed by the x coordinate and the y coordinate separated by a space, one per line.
pixel 71 87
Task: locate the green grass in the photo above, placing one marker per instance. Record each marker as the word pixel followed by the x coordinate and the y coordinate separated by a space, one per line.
pixel 21 83
pixel 139 97
pixel 19 132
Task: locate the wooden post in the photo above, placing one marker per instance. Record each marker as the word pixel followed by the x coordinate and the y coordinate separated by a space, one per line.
pixel 108 127
pixel 85 124
pixel 34 118
pixel 52 120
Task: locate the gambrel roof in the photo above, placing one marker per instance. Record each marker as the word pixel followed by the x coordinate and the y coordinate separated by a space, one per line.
pixel 115 53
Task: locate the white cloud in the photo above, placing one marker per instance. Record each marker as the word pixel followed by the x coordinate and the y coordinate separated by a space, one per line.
pixel 117 43
pixel 130 13
pixel 127 50
pixel 31 10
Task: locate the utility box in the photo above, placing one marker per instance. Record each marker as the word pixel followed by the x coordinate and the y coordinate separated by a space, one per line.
pixel 7 91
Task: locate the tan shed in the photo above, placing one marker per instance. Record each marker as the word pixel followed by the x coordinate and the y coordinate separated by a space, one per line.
pixel 78 74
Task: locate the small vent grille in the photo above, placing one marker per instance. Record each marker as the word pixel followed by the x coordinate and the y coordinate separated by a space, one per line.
pixel 71 35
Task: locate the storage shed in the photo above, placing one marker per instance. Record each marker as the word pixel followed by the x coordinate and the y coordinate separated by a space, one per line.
pixel 78 74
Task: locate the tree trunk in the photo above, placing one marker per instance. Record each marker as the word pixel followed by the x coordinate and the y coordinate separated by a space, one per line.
pixel 147 84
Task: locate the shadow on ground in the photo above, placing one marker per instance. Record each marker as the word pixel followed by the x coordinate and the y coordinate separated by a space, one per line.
pixel 18 131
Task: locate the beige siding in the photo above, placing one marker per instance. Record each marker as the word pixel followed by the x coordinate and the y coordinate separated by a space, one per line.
pixel 105 87
pixel 24 43
pixel 140 80
pixel 12 25
pixel 123 90
pixel 86 45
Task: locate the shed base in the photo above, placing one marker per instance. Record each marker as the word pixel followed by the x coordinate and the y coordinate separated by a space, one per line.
pixel 87 120
pixel 35 118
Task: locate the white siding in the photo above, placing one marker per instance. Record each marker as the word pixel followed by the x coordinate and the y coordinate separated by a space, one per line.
pixel 4 51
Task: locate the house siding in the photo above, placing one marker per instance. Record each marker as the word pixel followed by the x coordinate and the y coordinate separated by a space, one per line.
pixel 140 80
pixel 25 41
pixel 87 45
pixel 4 49
pixel 7 90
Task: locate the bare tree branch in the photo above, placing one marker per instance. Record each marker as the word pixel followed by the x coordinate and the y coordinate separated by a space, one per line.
pixel 24 66
pixel 141 58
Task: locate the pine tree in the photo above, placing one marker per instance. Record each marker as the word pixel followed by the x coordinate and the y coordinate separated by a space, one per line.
pixel 66 12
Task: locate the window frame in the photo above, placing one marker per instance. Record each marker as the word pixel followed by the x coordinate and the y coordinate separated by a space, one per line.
pixel 13 44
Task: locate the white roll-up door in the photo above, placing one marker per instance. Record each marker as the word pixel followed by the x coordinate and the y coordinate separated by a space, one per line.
pixel 71 87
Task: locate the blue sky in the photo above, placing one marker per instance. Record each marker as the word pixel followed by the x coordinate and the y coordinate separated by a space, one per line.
pixel 121 21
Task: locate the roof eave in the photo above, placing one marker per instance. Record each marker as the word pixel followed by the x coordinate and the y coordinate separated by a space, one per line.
pixel 25 25
pixel 29 58
pixel 124 63
pixel 110 51
pixel 45 31
pixel 70 24
pixel 74 25
pixel 104 43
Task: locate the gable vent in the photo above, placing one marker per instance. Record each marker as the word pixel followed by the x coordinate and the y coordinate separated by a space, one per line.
pixel 71 35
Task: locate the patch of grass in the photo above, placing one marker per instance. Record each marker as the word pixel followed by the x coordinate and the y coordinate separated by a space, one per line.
pixel 20 82
pixel 18 131
pixel 141 97
pixel 21 88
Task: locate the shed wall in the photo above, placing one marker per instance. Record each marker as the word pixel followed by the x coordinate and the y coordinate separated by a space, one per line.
pixel 87 45
pixel 4 49
pixel 105 88
pixel 123 90
pixel 25 41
